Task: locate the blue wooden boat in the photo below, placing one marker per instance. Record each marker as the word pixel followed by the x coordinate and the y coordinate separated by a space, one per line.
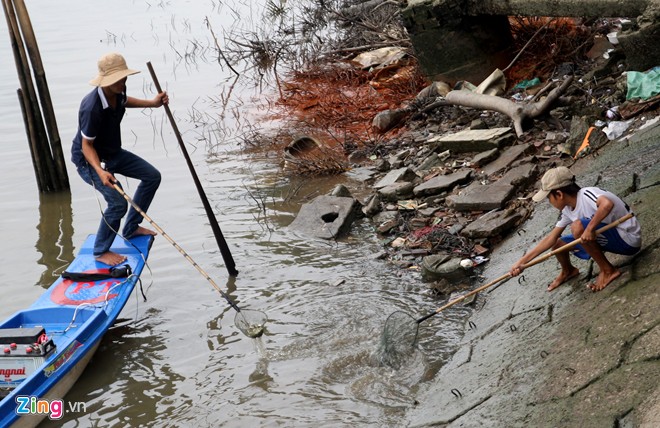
pixel 45 348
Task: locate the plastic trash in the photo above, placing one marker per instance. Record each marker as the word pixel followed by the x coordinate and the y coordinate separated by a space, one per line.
pixel 585 147
pixel 613 113
pixel 480 259
pixel 643 85
pixel 613 38
pixel 528 83
pixel 466 263
pixel 615 129
pixel 476 261
pixel 380 57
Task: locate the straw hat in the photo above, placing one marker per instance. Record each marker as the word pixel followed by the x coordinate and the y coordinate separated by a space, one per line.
pixel 553 179
pixel 112 68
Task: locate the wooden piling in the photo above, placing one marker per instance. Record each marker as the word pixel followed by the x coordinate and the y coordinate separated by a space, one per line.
pixel 62 180
pixel 27 95
pixel 48 161
pixel 29 131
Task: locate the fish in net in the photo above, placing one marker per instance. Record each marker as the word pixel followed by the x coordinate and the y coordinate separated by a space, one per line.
pixel 251 323
pixel 399 339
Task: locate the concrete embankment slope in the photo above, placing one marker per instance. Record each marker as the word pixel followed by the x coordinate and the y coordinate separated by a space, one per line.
pixel 571 357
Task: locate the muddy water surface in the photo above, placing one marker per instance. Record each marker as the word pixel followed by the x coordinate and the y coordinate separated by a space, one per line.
pixel 178 360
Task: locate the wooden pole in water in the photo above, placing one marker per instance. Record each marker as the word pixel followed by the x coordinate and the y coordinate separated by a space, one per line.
pixel 219 238
pixel 28 97
pixel 61 180
pixel 29 131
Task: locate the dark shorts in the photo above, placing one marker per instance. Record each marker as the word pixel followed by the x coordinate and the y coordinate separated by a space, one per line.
pixel 609 241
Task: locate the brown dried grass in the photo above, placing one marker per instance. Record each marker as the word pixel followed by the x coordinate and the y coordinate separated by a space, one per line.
pixel 561 41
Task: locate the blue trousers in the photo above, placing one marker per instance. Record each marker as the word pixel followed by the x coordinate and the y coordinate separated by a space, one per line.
pixel 129 165
pixel 608 241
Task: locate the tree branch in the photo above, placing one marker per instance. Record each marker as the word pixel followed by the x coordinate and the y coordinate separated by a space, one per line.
pixel 517 112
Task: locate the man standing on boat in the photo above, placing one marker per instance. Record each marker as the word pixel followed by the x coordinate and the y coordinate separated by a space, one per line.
pixel 98 155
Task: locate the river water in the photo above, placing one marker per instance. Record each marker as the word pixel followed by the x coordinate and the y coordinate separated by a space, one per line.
pixel 178 360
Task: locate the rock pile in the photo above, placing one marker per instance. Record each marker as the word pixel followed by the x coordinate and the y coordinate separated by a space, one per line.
pixel 441 200
pixel 468 189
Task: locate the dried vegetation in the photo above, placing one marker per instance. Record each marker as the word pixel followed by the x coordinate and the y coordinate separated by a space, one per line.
pixel 307 51
pixel 556 41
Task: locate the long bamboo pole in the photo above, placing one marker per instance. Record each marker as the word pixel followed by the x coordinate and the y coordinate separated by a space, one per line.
pixel 29 131
pixel 28 96
pixel 62 179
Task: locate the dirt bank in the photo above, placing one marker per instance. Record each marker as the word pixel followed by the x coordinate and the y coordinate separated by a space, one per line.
pixel 571 357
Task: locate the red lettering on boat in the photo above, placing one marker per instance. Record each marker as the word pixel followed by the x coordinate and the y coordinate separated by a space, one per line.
pixel 8 373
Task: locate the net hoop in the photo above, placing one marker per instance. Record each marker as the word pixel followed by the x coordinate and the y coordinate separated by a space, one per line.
pixel 399 339
pixel 250 322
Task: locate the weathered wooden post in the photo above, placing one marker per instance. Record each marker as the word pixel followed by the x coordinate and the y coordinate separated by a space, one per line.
pixel 30 132
pixel 62 179
pixel 27 97
pixel 47 158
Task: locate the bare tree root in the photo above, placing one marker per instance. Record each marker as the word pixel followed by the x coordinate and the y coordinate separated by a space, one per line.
pixel 519 113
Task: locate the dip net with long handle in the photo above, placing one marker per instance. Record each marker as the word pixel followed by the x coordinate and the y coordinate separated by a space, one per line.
pixel 249 322
pixel 398 340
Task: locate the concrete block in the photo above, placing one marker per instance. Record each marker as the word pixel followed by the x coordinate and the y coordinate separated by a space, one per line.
pixel 396 175
pixel 491 224
pixel 442 182
pixel 326 217
pixel 508 156
pixel 473 140
pixel 519 176
pixel 396 191
pixel 481 198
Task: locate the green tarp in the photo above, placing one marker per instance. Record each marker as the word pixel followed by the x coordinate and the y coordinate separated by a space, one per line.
pixel 643 85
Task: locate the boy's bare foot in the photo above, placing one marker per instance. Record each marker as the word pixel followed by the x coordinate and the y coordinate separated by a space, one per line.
pixel 143 231
pixel 563 277
pixel 604 280
pixel 110 258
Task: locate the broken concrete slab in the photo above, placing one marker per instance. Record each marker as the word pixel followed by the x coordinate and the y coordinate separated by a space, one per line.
pixel 506 158
pixel 428 212
pixel 485 157
pixel 341 191
pixel 396 175
pixel 522 175
pixel 492 224
pixel 326 217
pixel 397 159
pixel 481 198
pixel 372 207
pixel 396 191
pixel 432 161
pixel 442 182
pixel 647 347
pixel 362 174
pixel 473 140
